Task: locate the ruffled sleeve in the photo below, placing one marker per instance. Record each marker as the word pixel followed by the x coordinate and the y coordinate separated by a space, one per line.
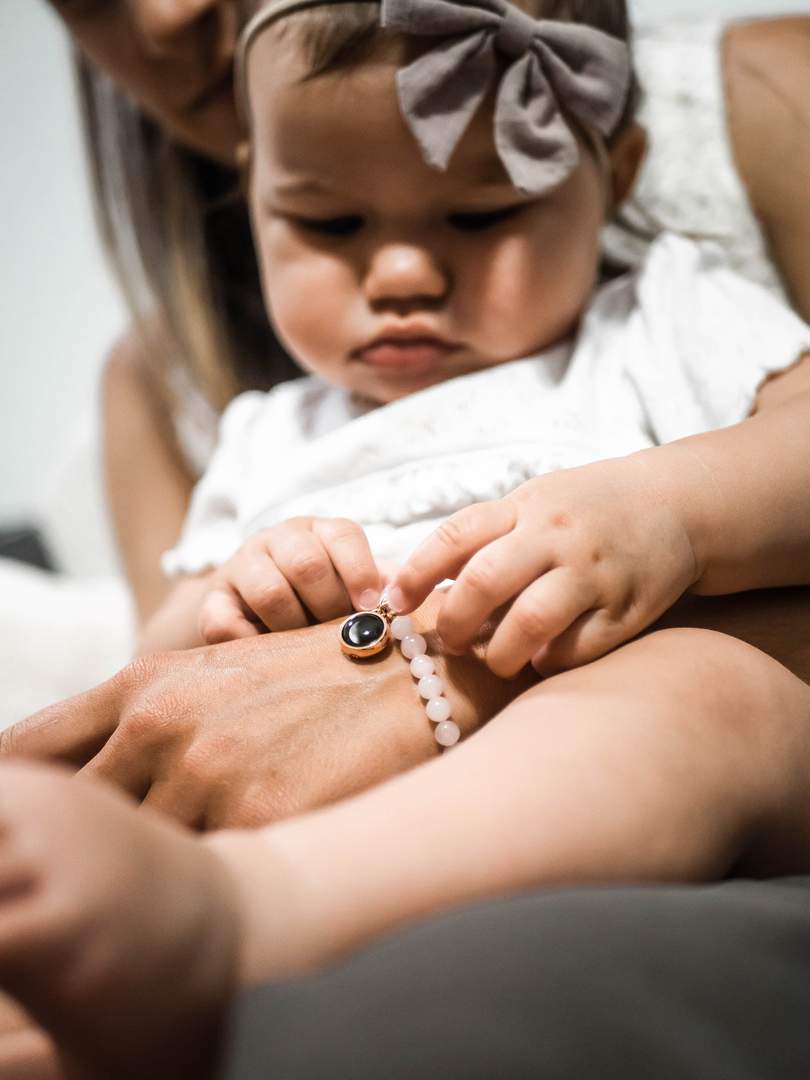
pixel 211 532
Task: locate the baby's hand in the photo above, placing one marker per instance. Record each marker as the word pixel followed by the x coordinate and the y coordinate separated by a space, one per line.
pixel 284 576
pixel 118 930
pixel 585 559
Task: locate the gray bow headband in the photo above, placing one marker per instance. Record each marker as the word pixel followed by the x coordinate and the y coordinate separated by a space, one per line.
pixel 552 68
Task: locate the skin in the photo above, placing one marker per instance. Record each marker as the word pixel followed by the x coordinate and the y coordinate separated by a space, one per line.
pixel 586 559
pixel 266 755
pixel 174 57
pixel 767 66
pixel 145 476
pixel 155 684
pixel 345 209
pixel 667 779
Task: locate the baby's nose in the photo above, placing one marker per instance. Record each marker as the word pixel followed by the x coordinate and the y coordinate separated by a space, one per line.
pixel 405 273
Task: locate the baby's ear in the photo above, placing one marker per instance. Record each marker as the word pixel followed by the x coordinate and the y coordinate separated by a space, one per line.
pixel 626 158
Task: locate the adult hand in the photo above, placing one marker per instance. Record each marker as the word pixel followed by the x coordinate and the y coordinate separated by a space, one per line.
pixel 252 731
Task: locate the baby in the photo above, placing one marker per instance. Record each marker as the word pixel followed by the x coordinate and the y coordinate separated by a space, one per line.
pixel 428 182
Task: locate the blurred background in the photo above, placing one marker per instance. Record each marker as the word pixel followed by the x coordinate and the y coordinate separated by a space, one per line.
pixel 60 313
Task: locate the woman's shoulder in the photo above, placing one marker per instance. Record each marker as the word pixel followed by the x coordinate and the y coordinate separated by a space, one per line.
pixel 767 65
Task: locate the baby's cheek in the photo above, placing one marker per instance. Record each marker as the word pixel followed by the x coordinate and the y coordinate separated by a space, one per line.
pixel 308 302
pixel 514 299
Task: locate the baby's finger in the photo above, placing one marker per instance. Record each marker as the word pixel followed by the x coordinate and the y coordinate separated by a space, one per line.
pixel 492 577
pixel 543 611
pixel 304 561
pixel 349 550
pixel 266 592
pixel 222 617
pixel 593 635
pixel 447 549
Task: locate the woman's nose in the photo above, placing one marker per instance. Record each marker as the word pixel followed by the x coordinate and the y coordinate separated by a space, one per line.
pixel 163 24
pixel 404 273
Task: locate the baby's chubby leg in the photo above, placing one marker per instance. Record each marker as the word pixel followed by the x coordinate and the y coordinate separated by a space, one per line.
pixel 676 758
pixel 117 931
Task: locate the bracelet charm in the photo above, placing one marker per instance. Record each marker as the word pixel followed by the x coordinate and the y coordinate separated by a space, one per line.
pixel 366 633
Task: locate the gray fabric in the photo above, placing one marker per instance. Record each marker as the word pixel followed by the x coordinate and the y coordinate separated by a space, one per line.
pixel 554 68
pixel 549 64
pixel 675 983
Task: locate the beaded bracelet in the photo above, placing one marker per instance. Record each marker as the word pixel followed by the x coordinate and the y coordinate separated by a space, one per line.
pixel 366 633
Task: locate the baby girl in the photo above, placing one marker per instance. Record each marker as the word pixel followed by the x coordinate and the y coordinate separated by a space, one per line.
pixel 428 181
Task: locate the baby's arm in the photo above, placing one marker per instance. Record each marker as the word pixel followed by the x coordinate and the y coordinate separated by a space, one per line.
pixel 742 491
pixel 586 559
pixel 281 578
pixel 118 930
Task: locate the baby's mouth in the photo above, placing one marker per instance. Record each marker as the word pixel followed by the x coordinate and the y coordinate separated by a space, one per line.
pixel 406 354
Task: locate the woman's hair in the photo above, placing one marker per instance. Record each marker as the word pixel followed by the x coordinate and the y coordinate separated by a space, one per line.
pixel 326 42
pixel 177 230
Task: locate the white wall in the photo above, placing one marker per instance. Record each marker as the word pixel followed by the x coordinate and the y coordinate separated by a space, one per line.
pixel 58 308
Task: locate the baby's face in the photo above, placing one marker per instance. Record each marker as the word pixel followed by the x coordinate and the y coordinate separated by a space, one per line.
pixel 385 276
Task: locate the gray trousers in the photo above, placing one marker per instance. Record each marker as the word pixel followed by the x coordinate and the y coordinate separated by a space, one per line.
pixel 633 983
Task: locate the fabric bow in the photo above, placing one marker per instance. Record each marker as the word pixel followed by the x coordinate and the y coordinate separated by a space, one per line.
pixel 549 63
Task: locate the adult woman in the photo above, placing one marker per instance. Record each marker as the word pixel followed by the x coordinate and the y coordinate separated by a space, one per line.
pixel 85 724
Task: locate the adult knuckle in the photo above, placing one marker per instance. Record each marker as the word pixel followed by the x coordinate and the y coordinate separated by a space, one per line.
pixel 145 725
pixel 197 768
pixel 11 738
pixel 142 671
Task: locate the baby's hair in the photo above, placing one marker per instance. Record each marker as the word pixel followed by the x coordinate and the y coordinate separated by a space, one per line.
pixel 334 36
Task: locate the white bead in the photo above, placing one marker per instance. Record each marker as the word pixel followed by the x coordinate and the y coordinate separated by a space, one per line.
pixel 430 687
pixel 421 666
pixel 447 733
pixel 413 645
pixel 438 710
pixel 401 626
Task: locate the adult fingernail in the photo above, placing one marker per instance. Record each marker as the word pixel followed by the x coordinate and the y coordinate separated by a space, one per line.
pixel 369 599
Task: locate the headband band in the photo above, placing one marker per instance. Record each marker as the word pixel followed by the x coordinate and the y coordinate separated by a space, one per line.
pixel 551 69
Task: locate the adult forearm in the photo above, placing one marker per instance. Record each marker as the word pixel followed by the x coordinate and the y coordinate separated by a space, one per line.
pixel 742 493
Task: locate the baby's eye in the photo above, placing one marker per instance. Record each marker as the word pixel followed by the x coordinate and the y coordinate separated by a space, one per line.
pixel 347 225
pixel 484 219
